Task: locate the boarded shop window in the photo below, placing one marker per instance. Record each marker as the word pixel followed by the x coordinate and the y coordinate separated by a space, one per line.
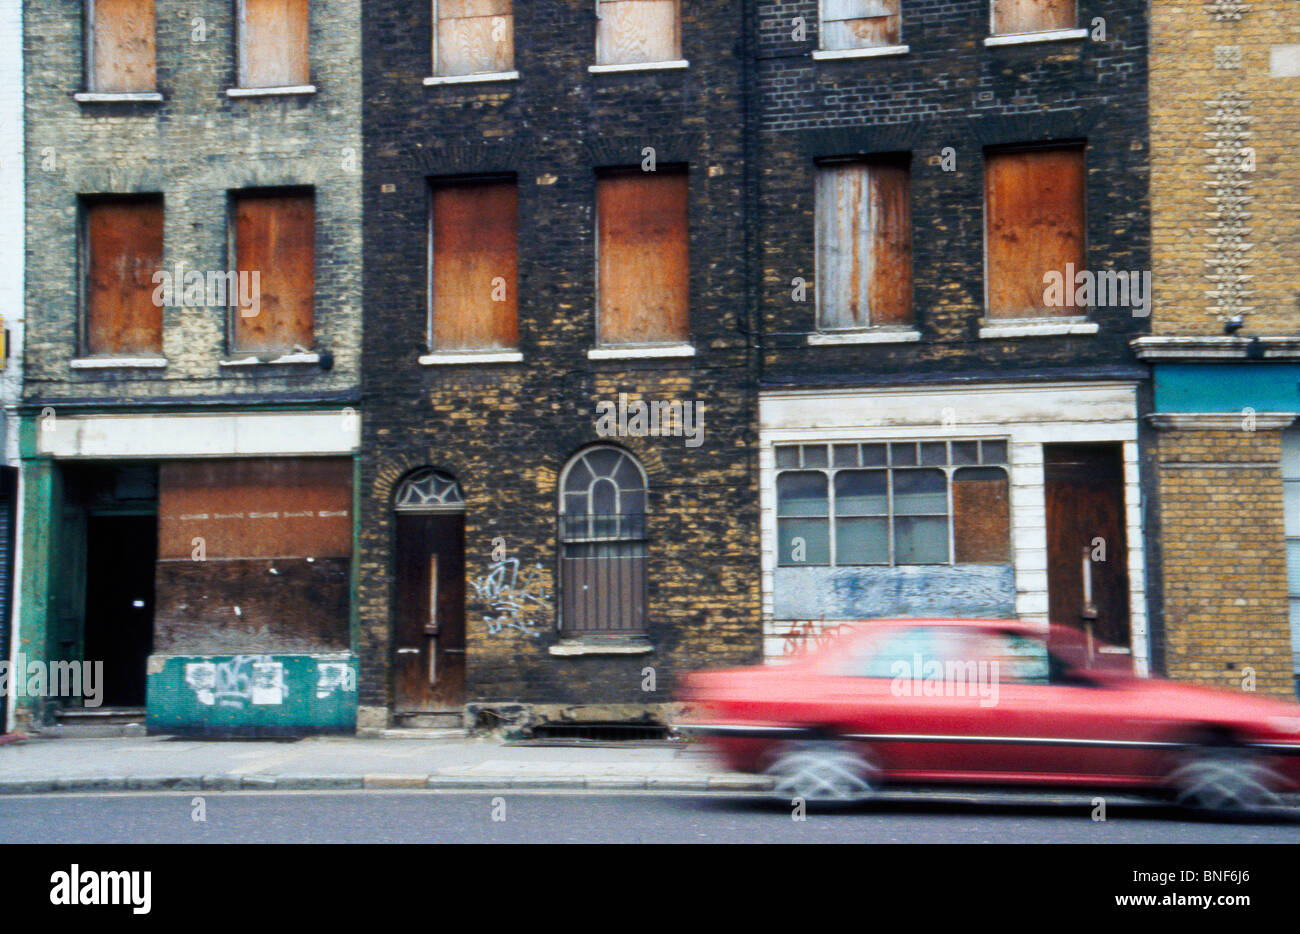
pixel 632 32
pixel 864 244
pixel 123 249
pixel 1034 221
pixel 1019 16
pixel 859 24
pixel 273 43
pixel 643 270
pixel 474 261
pixel 121 48
pixel 275 250
pixel 895 503
pixel 472 37
pixel 254 555
pixel 603 543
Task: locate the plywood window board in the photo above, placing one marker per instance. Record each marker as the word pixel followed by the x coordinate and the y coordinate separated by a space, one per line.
pixel 122 249
pixel 273 43
pixel 474 260
pixel 122 48
pixel 472 37
pixel 274 237
pixel 632 32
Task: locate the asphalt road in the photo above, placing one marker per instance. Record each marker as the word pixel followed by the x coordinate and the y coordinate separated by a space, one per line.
pixel 522 817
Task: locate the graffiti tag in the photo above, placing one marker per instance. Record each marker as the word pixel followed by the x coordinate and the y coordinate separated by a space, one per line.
pixel 514 599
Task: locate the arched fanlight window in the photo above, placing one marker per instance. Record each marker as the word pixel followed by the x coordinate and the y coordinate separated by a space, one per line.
pixel 603 543
pixel 429 490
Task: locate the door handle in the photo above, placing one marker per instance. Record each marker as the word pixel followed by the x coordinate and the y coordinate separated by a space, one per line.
pixel 408 651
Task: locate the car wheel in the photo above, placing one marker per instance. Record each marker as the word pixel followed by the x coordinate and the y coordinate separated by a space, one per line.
pixel 822 772
pixel 1224 779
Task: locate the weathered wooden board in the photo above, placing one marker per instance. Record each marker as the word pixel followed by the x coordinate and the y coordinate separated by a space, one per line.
pixel 644 265
pixel 122 53
pixel 275 236
pixel 932 591
pixel 859 24
pixel 475 266
pixel 631 31
pixel 273 47
pixel 981 516
pixel 124 248
pixel 1016 16
pixel 473 36
pixel 1034 203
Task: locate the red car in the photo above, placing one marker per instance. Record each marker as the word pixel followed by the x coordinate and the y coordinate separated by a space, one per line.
pixel 989 702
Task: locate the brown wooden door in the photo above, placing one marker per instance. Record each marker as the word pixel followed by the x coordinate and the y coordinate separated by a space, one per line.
pixel 1084 488
pixel 430 635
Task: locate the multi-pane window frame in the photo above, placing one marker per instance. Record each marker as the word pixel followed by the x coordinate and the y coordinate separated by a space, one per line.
pixel 94 92
pixel 1055 32
pixel 242 88
pixel 440 73
pixel 831 50
pixel 603 54
pixel 993 457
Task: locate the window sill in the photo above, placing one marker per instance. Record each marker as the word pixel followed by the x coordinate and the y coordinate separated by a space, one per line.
pixel 639 66
pixel 454 358
pixel 642 352
pixel 602 645
pixel 263 360
pixel 1037 327
pixel 119 363
pixel 900 336
pixel 472 79
pixel 1047 35
pixel 272 92
pixel 117 97
pixel 828 55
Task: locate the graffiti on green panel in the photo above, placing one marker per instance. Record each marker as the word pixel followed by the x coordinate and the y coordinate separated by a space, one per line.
pixel 253 693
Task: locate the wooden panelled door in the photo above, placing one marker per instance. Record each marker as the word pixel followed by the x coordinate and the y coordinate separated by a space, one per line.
pixel 430 634
pixel 1084 489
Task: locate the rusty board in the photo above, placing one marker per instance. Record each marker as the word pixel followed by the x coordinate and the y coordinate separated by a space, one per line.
pixel 262 605
pixel 124 248
pixel 473 37
pixel 859 24
pixel 631 31
pixel 275 236
pixel 864 245
pixel 255 508
pixel 122 52
pixel 981 516
pixel 273 47
pixel 475 263
pixel 1017 16
pixel 1034 203
pixel 644 264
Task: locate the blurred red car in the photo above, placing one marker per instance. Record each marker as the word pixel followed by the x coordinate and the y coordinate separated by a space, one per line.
pixel 988 702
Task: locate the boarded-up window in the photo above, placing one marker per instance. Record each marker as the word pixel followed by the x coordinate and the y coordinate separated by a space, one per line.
pixel 123 251
pixel 275 251
pixel 644 267
pixel 864 245
pixel 1017 16
pixel 1034 225
pixel 255 508
pixel 122 56
pixel 637 31
pixel 475 257
pixel 472 37
pixel 859 24
pixel 981 516
pixel 273 43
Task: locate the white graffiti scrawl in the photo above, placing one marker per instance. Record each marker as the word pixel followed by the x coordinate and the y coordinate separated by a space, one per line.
pixel 514 599
pixel 244 680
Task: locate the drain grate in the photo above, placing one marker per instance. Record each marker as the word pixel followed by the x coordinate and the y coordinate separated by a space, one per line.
pixel 601 732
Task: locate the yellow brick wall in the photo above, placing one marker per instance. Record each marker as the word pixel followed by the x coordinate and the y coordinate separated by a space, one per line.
pixel 1210 72
pixel 1225 580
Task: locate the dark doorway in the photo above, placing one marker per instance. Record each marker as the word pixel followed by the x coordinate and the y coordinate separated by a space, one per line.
pixel 1087 549
pixel 430 633
pixel 122 552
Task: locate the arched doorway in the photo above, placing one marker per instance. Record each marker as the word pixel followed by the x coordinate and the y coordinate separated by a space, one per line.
pixel 429 562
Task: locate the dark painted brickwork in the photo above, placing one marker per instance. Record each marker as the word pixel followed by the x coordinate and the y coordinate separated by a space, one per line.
pixel 948 90
pixel 505 431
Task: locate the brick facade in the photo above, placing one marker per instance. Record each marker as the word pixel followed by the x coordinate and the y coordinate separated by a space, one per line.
pixel 505 430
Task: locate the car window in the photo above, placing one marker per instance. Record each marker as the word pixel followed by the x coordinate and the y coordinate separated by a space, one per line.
pixel 899 652
pixel 1021 659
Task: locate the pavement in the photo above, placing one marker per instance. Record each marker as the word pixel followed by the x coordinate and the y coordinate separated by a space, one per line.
pixel 160 763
